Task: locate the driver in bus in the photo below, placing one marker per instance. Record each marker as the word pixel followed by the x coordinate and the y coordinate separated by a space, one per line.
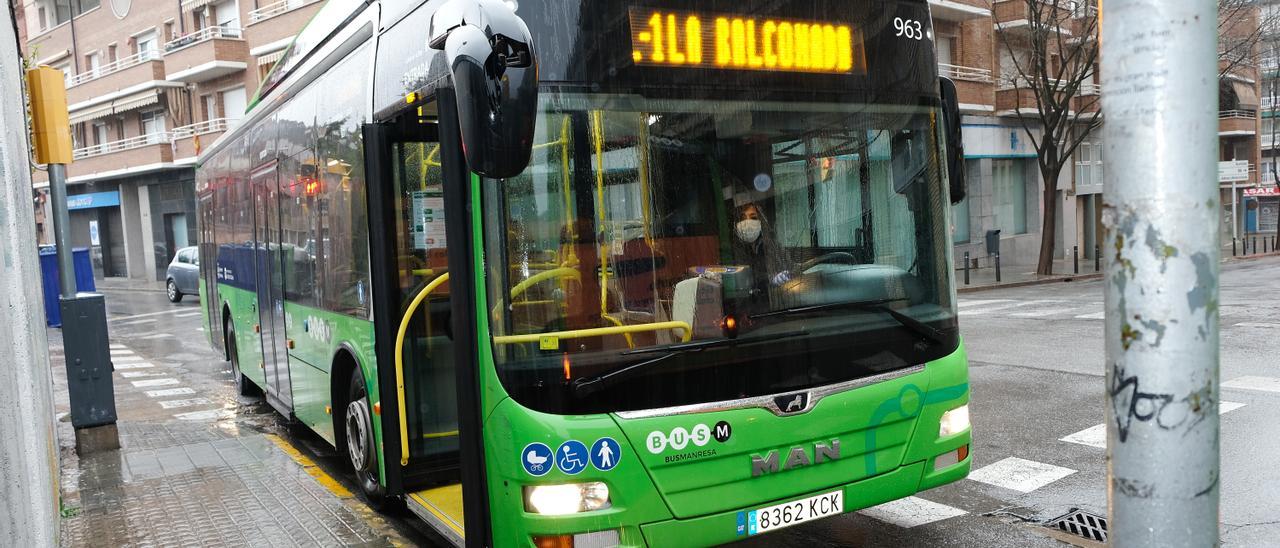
pixel 755 246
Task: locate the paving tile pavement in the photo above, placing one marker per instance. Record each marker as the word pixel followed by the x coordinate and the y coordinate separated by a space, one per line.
pixel 216 482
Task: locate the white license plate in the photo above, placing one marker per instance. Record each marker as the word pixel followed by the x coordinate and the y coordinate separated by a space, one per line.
pixel 798 511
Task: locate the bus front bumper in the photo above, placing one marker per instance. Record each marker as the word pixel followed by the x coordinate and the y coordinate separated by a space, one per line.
pixel 722 528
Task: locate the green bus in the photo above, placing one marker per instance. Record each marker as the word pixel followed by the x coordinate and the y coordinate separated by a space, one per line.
pixel 618 272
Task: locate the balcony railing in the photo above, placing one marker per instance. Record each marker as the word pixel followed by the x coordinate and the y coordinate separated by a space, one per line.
pixel 200 128
pixel 115 66
pixel 1237 114
pixel 271 10
pixel 971 74
pixel 207 33
pixel 131 143
pixel 1090 88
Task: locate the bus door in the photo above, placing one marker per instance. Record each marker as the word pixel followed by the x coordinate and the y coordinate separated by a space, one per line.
pixel 267 259
pixel 413 294
pixel 208 261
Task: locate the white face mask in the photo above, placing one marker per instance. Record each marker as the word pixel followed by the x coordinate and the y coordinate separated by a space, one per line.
pixel 748 230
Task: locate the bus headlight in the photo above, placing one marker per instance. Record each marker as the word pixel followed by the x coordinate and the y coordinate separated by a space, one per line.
pixel 569 498
pixel 954 421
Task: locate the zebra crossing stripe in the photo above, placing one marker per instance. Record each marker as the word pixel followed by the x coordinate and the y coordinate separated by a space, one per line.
pixel 1096 435
pixel 911 512
pixel 965 303
pixel 1263 384
pixel 1020 475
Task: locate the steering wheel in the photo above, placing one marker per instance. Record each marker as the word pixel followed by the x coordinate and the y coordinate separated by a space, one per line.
pixel 834 257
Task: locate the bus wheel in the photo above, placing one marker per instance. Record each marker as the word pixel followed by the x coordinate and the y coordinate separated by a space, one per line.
pixel 244 387
pixel 359 433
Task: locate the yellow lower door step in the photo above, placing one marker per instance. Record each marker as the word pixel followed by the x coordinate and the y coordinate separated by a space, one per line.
pixel 441 508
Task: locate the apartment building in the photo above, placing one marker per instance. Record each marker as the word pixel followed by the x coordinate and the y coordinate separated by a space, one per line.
pixel 1258 205
pixel 1240 120
pixel 149 84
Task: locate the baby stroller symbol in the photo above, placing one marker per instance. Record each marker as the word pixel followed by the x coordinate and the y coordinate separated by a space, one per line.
pixel 536 463
pixel 536 458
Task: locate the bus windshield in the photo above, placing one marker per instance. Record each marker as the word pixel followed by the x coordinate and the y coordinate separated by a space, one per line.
pixel 660 253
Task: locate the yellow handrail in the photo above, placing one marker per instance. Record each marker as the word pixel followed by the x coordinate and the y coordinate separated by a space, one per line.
pixel 597 136
pixel 404 326
pixel 598 332
pixel 617 322
pixel 536 278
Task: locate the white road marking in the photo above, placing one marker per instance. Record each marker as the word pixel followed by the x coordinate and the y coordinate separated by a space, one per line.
pixel 201 329
pixel 186 314
pixel 1093 436
pixel 136 374
pixel 204 415
pixel 1093 316
pixel 1264 384
pixel 911 512
pixel 1258 324
pixel 1096 435
pixel 1020 475
pixel 170 392
pixel 157 336
pixel 965 303
pixel 136 365
pixel 1053 309
pixel 155 382
pixel 121 352
pixel 127 359
pixel 139 322
pixel 117 347
pixel 174 404
pixel 147 315
pixel 994 308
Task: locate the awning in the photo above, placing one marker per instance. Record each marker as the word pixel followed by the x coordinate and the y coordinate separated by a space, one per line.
pixel 269 58
pixel 123 104
pixel 189 5
pixel 1246 97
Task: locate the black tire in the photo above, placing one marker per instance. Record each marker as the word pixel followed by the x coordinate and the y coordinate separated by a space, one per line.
pixel 244 386
pixel 171 290
pixel 358 431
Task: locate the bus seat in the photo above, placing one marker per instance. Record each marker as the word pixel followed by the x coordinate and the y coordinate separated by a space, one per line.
pixel 698 303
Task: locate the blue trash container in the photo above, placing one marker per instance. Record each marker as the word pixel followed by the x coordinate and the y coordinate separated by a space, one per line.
pixel 52 285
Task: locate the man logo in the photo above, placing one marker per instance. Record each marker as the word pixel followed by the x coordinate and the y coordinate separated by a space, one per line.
pixel 792 403
pixel 796 458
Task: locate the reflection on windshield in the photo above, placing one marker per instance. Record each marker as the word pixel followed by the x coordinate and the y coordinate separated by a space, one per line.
pixel 642 224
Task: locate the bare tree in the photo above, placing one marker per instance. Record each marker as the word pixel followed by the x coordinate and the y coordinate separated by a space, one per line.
pixel 1055 58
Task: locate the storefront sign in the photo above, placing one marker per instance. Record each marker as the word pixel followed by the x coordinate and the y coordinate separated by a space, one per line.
pixel 1262 191
pixel 93 199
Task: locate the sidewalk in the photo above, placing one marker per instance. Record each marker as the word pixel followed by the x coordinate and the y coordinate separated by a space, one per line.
pixel 197 468
pixel 1019 275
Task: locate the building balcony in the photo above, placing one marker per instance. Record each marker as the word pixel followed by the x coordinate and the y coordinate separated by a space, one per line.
pixel 190 141
pixel 975 87
pixel 135 155
pixel 1013 100
pixel 210 53
pixel 959 10
pixel 131 71
pixel 1016 16
pixel 1237 123
pixel 279 21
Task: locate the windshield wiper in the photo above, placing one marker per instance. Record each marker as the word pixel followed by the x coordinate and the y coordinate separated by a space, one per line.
pixel 878 305
pixel 583 386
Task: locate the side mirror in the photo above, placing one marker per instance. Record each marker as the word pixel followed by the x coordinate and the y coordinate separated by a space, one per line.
pixel 955 139
pixel 495 75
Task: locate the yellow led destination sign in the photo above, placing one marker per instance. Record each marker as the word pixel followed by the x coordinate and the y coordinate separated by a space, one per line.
pixel 739 42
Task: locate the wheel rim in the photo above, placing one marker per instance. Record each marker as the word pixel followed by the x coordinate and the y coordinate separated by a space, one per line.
pixel 358 435
pixel 173 289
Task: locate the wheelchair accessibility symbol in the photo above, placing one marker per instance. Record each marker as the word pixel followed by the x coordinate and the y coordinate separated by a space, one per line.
pixel 536 459
pixel 572 457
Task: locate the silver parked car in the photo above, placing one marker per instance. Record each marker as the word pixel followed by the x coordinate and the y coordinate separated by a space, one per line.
pixel 183 275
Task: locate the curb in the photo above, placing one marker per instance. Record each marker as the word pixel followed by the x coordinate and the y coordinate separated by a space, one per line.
pixel 136 289
pixel 1038 281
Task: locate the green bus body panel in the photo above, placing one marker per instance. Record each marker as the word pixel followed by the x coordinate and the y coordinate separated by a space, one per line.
pixel 317 335
pixel 887 432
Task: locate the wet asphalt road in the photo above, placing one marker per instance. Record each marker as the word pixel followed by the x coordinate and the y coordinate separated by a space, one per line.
pixel 1036 359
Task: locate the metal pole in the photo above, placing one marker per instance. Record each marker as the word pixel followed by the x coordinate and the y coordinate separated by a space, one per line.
pixel 1075 259
pixel 1233 247
pixel 28 448
pixel 997 267
pixel 966 268
pixel 1255 245
pixel 62 229
pixel 1097 259
pixel 1159 64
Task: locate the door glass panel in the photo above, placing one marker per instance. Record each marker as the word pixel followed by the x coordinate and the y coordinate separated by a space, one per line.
pixel 430 389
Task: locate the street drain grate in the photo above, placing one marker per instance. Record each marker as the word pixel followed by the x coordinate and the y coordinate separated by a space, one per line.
pixel 1082 524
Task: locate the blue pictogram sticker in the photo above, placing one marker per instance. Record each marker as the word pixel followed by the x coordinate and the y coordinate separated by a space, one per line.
pixel 605 454
pixel 742 523
pixel 572 457
pixel 752 525
pixel 536 459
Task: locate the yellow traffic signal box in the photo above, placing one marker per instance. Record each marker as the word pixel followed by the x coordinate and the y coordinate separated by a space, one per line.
pixel 51 130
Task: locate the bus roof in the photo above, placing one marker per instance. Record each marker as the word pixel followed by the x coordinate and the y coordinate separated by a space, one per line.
pixel 330 17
